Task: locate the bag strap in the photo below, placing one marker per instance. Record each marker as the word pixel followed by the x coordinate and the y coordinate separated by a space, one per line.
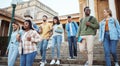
pixel 74 25
pixel 89 20
pixel 115 22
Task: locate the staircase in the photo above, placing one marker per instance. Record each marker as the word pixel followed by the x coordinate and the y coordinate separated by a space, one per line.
pixel 79 61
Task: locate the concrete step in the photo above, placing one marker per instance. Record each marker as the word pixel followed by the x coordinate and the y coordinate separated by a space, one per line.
pixel 64 62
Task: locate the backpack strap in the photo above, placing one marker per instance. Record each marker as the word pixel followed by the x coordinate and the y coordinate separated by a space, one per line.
pixel 89 21
pixel 114 22
pixel 81 20
pixel 75 26
pixel 90 18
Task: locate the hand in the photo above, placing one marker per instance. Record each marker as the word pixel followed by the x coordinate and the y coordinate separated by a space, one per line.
pixel 87 23
pixel 18 37
pixel 29 38
pixel 48 38
pixel 6 52
pixel 76 38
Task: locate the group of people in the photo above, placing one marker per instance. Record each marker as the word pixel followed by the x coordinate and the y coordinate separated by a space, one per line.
pixel 24 39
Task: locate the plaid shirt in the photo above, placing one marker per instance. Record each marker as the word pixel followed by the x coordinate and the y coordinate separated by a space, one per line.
pixel 29 46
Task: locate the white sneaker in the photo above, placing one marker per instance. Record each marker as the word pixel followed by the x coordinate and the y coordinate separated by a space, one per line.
pixel 86 64
pixel 42 64
pixel 116 64
pixel 45 61
pixel 52 62
pixel 58 62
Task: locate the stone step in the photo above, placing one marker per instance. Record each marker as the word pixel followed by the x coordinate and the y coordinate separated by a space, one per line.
pixel 98 63
pixel 3 61
pixel 37 64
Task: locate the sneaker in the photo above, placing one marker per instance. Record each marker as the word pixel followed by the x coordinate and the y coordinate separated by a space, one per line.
pixel 75 57
pixel 42 64
pixel 45 61
pixel 69 58
pixel 116 64
pixel 52 62
pixel 58 62
pixel 86 64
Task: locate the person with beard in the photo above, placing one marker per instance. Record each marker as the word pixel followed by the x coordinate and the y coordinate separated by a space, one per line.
pixel 87 30
pixel 46 29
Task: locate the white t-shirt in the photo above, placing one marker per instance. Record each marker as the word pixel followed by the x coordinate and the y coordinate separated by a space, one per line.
pixel 55 27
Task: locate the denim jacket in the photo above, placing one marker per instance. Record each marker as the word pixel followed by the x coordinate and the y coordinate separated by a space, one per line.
pixel 114 29
pixel 13 40
pixel 74 28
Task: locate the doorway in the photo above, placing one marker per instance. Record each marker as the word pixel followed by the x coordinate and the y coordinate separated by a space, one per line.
pixel 117 2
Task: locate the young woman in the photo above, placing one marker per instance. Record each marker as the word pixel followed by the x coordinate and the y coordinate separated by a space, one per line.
pixel 27 46
pixel 57 39
pixel 12 49
pixel 109 36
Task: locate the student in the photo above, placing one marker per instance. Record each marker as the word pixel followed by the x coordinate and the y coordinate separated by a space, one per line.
pixel 87 30
pixel 27 47
pixel 12 49
pixel 109 33
pixel 46 34
pixel 71 28
pixel 34 25
pixel 56 39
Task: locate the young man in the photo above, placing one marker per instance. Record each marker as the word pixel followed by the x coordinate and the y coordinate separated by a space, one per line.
pixel 87 30
pixel 46 34
pixel 71 28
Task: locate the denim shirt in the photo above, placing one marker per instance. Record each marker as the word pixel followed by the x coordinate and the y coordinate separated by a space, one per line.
pixel 114 29
pixel 74 29
pixel 13 40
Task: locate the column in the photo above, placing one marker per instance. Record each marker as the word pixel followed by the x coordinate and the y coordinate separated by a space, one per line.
pixel 0 23
pixel 0 27
pixel 112 7
pixel 91 5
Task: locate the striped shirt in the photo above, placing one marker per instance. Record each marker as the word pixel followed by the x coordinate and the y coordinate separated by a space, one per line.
pixel 29 46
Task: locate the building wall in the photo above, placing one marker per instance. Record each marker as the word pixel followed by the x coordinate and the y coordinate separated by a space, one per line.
pixel 4 28
pixel 34 8
pixel 117 4
pixel 99 6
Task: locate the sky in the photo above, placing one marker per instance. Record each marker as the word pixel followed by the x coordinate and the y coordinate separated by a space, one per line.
pixel 63 7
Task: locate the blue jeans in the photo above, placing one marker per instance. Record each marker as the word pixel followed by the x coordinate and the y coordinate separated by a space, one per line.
pixel 27 59
pixel 110 47
pixel 72 46
pixel 56 40
pixel 12 55
pixel 43 47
